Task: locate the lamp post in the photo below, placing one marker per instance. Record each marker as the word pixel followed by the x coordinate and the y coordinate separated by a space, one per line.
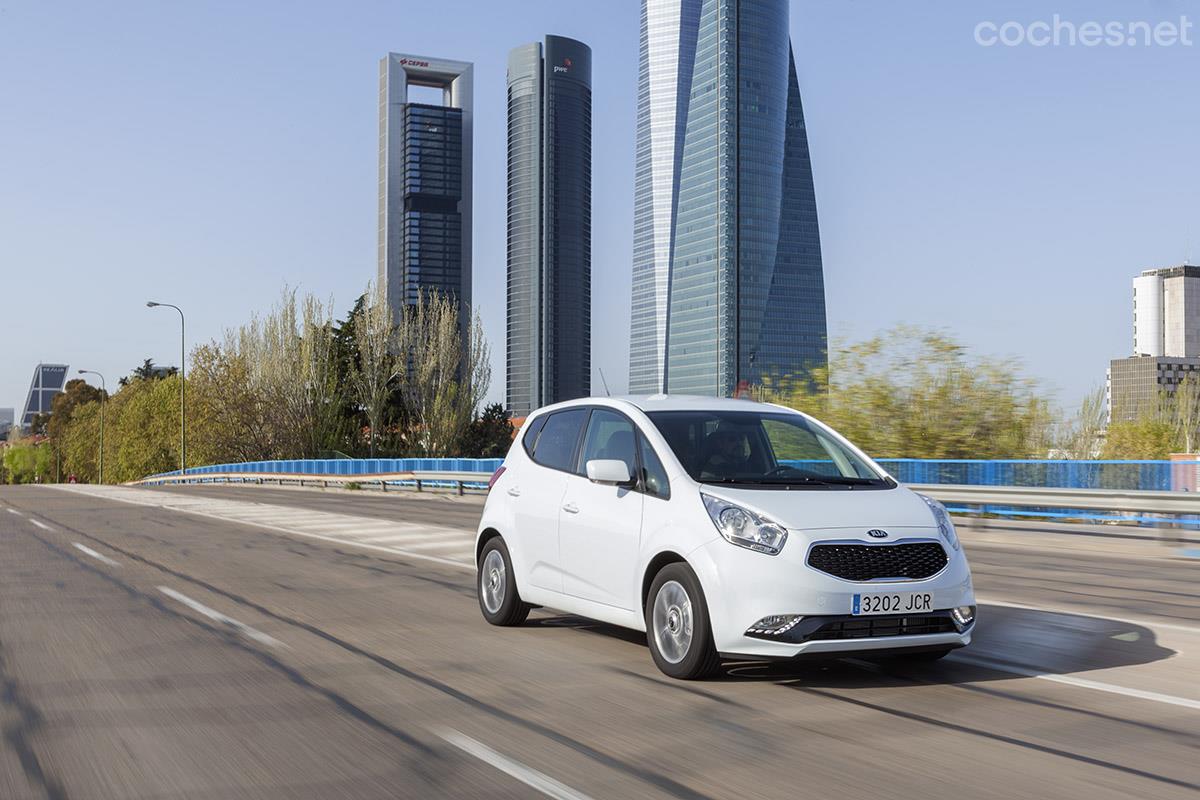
pixel 182 382
pixel 103 401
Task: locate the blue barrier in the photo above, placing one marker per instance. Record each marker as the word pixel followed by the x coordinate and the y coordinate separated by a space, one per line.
pixel 1063 474
pixel 348 466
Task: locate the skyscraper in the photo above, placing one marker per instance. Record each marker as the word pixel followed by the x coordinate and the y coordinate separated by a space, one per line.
pixel 48 381
pixel 727 276
pixel 425 181
pixel 549 223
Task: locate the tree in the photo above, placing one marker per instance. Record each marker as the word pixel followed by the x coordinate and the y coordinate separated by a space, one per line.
pixel 444 385
pixel 1147 437
pixel 378 362
pixel 489 435
pixel 1185 412
pixel 1084 435
pixel 916 393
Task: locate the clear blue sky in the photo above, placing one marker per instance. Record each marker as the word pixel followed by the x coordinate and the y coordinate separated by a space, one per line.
pixel 206 153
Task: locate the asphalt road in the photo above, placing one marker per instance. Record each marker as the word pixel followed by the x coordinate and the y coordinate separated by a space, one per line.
pixel 215 642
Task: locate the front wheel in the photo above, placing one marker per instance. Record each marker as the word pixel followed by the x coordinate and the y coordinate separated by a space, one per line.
pixel 677 625
pixel 498 597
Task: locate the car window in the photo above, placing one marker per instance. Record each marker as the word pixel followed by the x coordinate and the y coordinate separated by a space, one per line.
pixel 609 436
pixel 654 476
pixel 762 449
pixel 531 433
pixel 556 445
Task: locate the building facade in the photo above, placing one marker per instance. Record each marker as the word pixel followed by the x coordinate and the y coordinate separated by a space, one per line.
pixel 1166 341
pixel 1166 312
pixel 48 381
pixel 549 223
pixel 728 287
pixel 8 417
pixel 425 181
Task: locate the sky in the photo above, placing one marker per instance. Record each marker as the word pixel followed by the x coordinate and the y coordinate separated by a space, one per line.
pixel 209 153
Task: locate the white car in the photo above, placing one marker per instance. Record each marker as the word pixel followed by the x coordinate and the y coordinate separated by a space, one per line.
pixel 722 528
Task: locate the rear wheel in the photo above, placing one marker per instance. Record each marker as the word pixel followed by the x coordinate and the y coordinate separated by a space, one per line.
pixel 677 625
pixel 498 597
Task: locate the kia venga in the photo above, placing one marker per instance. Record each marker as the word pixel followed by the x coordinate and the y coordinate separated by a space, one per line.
pixel 721 528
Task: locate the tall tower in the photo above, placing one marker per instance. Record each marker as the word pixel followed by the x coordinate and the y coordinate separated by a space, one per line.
pixel 425 181
pixel 549 223
pixel 728 286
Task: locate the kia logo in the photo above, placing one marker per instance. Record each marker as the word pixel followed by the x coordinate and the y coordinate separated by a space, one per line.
pixel 877 534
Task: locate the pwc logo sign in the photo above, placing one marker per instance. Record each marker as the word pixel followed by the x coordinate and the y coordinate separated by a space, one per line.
pixel 564 67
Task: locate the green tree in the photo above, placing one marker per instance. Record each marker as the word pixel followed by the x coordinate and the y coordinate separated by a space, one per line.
pixel 489 435
pixel 1148 437
pixel 917 393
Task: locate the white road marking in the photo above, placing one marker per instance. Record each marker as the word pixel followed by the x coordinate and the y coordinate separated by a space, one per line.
pixel 217 616
pixel 1083 683
pixel 1077 612
pixel 13 511
pixel 236 513
pixel 41 525
pixel 526 775
pixel 438 545
pixel 103 559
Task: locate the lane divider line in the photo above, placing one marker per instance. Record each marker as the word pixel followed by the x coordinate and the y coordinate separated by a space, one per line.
pixel 87 551
pixel 1082 683
pixel 1096 613
pixel 526 775
pixel 13 511
pixel 41 525
pixel 217 616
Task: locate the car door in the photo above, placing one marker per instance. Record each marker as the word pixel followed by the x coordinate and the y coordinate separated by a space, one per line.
pixel 537 495
pixel 600 526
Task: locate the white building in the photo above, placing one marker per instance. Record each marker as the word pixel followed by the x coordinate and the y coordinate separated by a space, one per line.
pixel 1166 312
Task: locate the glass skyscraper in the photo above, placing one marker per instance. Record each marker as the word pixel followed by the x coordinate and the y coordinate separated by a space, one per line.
pixel 727 277
pixel 425 181
pixel 549 223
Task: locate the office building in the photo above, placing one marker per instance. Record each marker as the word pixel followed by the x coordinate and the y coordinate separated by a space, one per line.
pixel 549 223
pixel 727 276
pixel 1166 312
pixel 8 416
pixel 1166 341
pixel 48 381
pixel 425 180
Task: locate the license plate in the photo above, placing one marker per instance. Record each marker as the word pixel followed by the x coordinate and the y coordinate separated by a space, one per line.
pixel 891 603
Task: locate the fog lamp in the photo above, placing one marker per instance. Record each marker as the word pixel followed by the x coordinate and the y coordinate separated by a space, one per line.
pixel 775 624
pixel 963 615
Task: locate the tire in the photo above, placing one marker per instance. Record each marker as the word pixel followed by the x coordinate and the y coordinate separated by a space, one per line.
pixel 675 597
pixel 500 591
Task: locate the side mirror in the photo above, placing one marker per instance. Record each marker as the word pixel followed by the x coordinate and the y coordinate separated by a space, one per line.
pixel 609 470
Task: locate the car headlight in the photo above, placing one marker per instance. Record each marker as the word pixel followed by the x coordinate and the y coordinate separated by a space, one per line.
pixel 743 527
pixel 942 517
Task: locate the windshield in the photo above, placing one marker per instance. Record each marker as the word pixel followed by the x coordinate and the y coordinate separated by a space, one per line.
pixel 762 449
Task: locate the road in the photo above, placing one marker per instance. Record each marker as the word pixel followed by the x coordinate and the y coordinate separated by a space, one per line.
pixel 222 642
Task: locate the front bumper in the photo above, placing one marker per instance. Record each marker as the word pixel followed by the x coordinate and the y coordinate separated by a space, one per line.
pixel 742 587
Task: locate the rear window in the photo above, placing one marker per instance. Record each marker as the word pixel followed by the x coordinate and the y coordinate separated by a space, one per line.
pixel 531 433
pixel 555 447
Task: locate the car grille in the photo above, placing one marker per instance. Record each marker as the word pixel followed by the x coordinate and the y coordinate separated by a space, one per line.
pixel 866 562
pixel 874 627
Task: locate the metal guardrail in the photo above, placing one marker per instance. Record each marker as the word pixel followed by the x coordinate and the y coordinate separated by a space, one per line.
pixel 1112 500
pixel 421 479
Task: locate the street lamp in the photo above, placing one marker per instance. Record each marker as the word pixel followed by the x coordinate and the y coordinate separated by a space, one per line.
pixel 182 381
pixel 103 401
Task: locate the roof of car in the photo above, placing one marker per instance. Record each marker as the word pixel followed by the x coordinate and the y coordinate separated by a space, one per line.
pixel 673 402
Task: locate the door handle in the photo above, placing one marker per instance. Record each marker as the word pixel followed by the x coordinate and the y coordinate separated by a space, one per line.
pixel 570 508
pixel 514 492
